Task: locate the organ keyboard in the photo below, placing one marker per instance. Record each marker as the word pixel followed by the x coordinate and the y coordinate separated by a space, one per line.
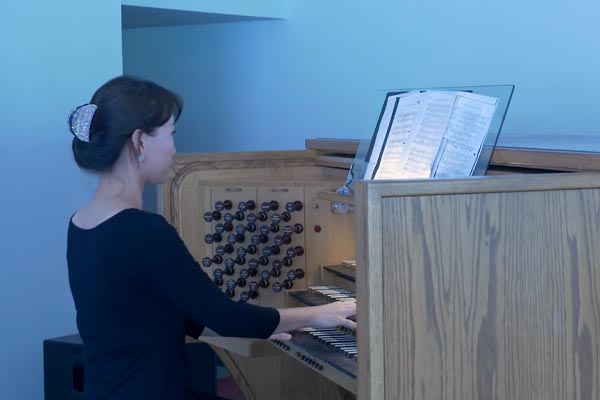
pixel 319 295
pixel 332 352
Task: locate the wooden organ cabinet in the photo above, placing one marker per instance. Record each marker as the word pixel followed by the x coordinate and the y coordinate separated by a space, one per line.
pixel 478 288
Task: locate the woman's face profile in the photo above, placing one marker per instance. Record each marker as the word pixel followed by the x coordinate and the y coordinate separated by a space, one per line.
pixel 158 150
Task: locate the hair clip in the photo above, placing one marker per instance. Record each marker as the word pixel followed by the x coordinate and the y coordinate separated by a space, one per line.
pixel 80 120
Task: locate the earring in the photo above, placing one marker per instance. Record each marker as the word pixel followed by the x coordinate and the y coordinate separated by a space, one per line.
pixel 141 158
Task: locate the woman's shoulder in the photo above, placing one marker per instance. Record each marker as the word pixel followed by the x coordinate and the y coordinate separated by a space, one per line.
pixel 150 224
pixel 145 219
pixel 151 219
pixel 127 217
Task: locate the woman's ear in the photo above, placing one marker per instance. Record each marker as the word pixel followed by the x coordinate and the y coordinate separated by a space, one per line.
pixel 136 141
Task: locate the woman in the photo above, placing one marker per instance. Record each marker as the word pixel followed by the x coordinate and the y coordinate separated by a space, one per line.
pixel 137 289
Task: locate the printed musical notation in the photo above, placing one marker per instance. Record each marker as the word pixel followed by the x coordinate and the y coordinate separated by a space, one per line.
pixel 427 134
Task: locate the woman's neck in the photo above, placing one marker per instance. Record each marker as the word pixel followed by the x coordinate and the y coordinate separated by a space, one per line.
pixel 120 189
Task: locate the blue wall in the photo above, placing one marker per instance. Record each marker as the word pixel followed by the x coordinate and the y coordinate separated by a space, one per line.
pixel 270 84
pixel 54 55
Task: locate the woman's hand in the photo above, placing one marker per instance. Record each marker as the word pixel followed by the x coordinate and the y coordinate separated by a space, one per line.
pixel 335 314
pixel 325 316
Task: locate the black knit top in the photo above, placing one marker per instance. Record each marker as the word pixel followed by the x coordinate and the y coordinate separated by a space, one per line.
pixel 138 291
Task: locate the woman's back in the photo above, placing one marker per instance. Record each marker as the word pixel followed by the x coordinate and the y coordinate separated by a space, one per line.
pixel 133 339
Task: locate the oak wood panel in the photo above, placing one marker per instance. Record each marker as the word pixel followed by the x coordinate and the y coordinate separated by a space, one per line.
pixel 190 202
pixel 520 158
pixel 341 146
pixel 301 177
pixel 335 162
pixel 284 377
pixel 332 196
pixel 335 241
pixel 496 183
pixel 238 374
pixel 241 346
pixel 509 161
pixel 212 173
pixel 481 184
pixel 369 292
pixel 225 159
pixel 492 296
pixel 215 164
pixel 556 160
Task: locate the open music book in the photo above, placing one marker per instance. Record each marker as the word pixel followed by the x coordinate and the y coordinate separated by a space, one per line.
pixel 429 134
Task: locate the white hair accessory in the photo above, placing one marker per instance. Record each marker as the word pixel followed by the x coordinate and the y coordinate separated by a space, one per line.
pixel 80 120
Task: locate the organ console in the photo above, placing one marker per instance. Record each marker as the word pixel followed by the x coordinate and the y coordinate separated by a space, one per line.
pixel 477 288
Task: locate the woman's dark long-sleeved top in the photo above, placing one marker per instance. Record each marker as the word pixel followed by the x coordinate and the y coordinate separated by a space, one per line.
pixel 138 291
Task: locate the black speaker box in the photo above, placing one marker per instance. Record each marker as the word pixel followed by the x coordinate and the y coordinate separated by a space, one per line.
pixel 64 372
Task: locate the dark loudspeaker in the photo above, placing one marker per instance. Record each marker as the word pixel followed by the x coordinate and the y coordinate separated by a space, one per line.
pixel 64 372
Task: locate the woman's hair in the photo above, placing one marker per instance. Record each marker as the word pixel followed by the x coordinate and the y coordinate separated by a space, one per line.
pixel 124 104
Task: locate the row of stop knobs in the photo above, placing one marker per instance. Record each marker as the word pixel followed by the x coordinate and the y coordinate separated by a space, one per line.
pixel 250 205
pixel 254 286
pixel 252 270
pixel 262 237
pixel 251 226
pixel 263 260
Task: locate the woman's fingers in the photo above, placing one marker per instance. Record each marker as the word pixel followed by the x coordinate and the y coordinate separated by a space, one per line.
pixel 335 314
pixel 281 336
pixel 347 323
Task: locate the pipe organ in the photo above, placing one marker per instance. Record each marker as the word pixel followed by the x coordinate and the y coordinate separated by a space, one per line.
pixel 477 288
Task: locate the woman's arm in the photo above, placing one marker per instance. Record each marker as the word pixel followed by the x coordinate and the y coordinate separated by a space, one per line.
pixel 172 272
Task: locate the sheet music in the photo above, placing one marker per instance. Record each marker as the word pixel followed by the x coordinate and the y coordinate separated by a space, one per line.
pixel 382 130
pixel 456 160
pixel 417 129
pixel 467 127
pixel 471 118
pixel 396 152
pixel 427 134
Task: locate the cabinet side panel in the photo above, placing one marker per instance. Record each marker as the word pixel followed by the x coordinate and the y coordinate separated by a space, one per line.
pixel 492 296
pixel 369 291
